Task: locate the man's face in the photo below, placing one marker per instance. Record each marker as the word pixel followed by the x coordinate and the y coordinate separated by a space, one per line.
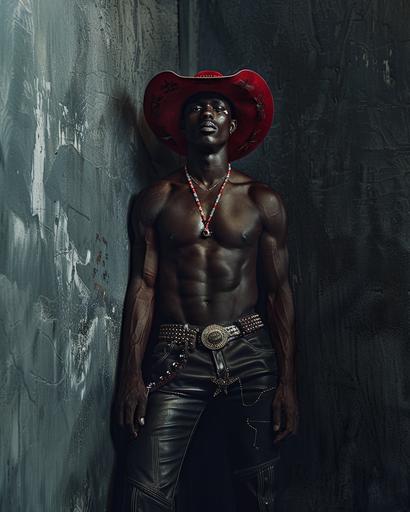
pixel 207 120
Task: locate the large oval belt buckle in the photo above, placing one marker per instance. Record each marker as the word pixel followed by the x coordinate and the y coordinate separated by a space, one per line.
pixel 214 337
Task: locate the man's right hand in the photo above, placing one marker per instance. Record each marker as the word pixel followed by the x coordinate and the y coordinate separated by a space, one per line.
pixel 132 404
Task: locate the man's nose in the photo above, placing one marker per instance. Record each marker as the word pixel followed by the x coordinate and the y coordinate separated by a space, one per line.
pixel 208 111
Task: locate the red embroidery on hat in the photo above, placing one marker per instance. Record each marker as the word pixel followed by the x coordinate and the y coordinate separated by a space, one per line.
pixel 260 107
pixel 155 104
pixel 245 84
pixel 169 86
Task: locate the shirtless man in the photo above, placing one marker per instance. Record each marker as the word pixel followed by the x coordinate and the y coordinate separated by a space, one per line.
pixel 194 276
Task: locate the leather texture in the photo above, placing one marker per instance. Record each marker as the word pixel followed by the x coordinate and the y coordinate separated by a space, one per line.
pixel 238 383
pixel 247 356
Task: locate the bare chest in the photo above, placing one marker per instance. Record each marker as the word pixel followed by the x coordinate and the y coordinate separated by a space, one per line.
pixel 234 224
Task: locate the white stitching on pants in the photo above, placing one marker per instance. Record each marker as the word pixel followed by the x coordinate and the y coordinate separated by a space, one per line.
pixel 265 492
pixel 248 422
pixel 249 471
pixel 155 457
pixel 258 397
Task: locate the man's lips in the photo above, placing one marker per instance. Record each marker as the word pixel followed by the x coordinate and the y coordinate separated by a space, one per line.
pixel 207 127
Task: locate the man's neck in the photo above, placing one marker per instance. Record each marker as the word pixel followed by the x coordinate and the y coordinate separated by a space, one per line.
pixel 208 168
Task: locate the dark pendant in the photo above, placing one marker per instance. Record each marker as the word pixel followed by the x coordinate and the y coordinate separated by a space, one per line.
pixel 206 233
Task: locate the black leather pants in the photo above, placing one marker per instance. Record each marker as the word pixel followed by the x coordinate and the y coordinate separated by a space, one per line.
pixel 243 401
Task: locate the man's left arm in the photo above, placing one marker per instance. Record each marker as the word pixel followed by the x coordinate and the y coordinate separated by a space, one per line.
pixel 273 253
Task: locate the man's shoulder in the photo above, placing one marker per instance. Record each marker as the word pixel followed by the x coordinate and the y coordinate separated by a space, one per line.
pixel 268 202
pixel 149 201
pixel 162 187
pixel 262 194
pixel 265 196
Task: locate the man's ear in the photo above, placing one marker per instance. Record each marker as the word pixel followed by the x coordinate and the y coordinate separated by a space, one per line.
pixel 233 126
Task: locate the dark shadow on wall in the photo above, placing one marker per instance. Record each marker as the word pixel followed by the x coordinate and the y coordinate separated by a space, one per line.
pixel 127 119
pixel 151 160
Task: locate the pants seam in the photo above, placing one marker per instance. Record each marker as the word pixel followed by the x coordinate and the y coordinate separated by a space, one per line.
pixel 186 450
pixel 151 492
pixel 254 469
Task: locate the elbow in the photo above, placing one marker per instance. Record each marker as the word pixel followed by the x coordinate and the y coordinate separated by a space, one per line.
pixel 148 289
pixel 280 294
pixel 149 277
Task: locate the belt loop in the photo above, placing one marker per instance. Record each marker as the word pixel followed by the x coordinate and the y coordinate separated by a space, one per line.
pixel 219 360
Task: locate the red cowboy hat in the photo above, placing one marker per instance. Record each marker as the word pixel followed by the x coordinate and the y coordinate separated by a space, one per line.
pixel 248 92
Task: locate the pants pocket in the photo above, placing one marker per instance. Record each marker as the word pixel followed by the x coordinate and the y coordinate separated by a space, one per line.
pixel 259 341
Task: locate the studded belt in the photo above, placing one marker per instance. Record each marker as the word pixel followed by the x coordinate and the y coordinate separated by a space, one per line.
pixel 214 336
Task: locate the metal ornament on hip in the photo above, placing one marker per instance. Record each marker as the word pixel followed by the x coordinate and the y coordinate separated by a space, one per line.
pixel 214 337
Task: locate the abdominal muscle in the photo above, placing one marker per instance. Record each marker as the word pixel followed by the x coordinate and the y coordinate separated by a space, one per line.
pixel 202 288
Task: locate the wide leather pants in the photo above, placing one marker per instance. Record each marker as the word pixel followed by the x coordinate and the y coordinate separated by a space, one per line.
pixel 239 383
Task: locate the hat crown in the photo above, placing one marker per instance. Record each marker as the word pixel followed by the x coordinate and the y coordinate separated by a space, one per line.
pixel 208 73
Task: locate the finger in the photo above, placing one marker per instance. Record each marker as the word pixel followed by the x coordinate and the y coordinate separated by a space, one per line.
pixel 276 416
pixel 292 421
pixel 281 436
pixel 142 406
pixel 294 424
pixel 129 419
pixel 291 427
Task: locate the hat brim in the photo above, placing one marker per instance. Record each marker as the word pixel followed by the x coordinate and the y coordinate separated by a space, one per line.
pixel 248 92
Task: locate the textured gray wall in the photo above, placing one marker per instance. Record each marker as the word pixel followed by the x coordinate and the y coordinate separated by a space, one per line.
pixel 71 83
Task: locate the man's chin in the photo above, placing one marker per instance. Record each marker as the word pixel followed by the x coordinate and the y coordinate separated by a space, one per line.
pixel 208 142
pixel 206 136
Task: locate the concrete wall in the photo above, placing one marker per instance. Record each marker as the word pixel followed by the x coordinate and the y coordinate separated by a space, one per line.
pixel 339 153
pixel 71 83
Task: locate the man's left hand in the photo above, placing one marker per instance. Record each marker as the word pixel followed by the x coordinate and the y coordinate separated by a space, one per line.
pixel 285 400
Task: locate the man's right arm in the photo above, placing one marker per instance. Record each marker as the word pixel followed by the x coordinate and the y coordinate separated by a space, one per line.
pixel 138 312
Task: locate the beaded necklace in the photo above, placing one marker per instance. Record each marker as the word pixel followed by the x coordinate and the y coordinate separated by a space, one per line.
pixel 205 187
pixel 206 221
